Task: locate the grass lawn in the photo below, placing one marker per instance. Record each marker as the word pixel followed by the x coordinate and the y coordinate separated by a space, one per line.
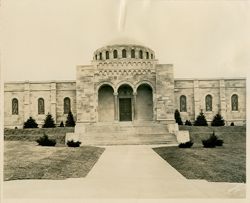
pixel 220 164
pixel 27 160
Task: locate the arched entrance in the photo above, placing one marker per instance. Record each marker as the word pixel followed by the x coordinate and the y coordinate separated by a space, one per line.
pixel 125 96
pixel 144 103
pixel 106 104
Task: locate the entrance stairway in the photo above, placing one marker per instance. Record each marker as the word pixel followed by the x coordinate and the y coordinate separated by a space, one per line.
pixel 127 133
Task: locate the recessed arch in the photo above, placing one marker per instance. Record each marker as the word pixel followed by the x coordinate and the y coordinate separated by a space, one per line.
pixel 234 102
pixel 183 103
pixel 15 106
pixel 99 85
pixel 209 102
pixel 105 109
pixel 41 106
pixel 125 83
pixel 66 105
pixel 115 54
pixel 124 53
pixel 145 82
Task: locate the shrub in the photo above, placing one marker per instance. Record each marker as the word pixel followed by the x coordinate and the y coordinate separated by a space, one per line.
pixel 186 144
pixel 212 141
pixel 45 141
pixel 201 120
pixel 49 122
pixel 61 124
pixel 73 143
pixel 30 123
pixel 232 124
pixel 188 122
pixel 177 117
pixel 218 120
pixel 70 122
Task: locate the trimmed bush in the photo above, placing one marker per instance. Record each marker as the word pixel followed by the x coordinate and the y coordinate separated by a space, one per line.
pixel 201 120
pixel 177 117
pixel 218 120
pixel 70 122
pixel 188 122
pixel 45 141
pixel 212 141
pixel 73 143
pixel 49 122
pixel 30 123
pixel 61 124
pixel 186 144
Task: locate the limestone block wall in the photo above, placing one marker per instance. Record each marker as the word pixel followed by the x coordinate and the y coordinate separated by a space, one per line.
pixel 221 91
pixel 28 94
pixel 165 93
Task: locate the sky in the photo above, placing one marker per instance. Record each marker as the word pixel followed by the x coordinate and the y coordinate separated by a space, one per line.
pixel 47 39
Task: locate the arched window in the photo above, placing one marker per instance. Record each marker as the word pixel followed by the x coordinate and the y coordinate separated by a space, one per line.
pixel 95 57
pixel 107 55
pixel 115 54
pixel 14 106
pixel 147 55
pixel 140 54
pixel 41 106
pixel 132 53
pixel 66 105
pixel 209 103
pixel 234 102
pixel 152 56
pixel 100 56
pixel 183 103
pixel 124 53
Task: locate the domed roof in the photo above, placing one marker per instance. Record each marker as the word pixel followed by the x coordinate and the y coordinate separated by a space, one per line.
pixel 123 51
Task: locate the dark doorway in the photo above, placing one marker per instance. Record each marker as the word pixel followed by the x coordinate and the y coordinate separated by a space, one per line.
pixel 125 109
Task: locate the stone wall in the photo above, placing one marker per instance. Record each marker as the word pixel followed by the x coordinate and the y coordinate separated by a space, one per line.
pixel 221 91
pixel 28 94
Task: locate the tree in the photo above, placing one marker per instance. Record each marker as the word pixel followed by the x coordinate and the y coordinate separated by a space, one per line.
pixel 30 123
pixel 70 122
pixel 61 124
pixel 177 117
pixel 49 122
pixel 201 120
pixel 218 120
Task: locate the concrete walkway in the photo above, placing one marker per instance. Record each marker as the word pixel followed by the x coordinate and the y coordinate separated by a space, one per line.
pixel 125 172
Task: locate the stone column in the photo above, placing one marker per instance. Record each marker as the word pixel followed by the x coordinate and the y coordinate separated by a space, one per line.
pixel 222 108
pixel 53 100
pixel 26 100
pixel 116 105
pixel 197 105
pixel 134 105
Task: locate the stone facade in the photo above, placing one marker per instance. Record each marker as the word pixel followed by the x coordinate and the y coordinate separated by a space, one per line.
pixel 125 83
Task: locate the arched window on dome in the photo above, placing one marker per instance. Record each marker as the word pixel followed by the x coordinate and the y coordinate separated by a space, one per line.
pixel 147 55
pixel 132 53
pixel 66 105
pixel 183 103
pixel 96 57
pixel 209 103
pixel 14 106
pixel 234 102
pixel 140 54
pixel 40 104
pixel 100 56
pixel 152 56
pixel 107 55
pixel 115 54
pixel 124 53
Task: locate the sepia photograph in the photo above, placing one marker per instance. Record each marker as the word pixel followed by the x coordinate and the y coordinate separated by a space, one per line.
pixel 124 100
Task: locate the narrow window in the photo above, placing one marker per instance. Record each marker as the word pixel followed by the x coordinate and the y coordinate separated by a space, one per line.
pixel 147 54
pixel 209 103
pixel 152 56
pixel 124 53
pixel 132 53
pixel 14 106
pixel 234 102
pixel 95 57
pixel 100 56
pixel 183 104
pixel 140 54
pixel 41 106
pixel 67 106
pixel 115 54
pixel 107 55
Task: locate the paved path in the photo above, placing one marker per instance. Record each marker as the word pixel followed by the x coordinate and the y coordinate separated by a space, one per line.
pixel 125 172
